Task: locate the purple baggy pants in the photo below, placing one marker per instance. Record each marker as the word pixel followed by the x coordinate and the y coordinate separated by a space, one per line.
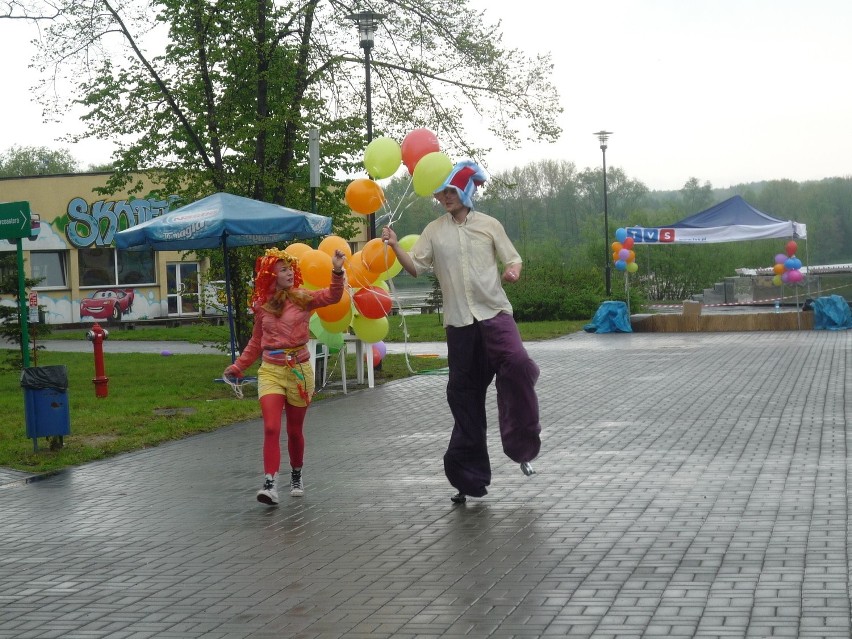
pixel 477 353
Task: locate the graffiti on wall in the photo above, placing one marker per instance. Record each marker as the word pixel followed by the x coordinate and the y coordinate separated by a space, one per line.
pixel 95 225
pixel 108 304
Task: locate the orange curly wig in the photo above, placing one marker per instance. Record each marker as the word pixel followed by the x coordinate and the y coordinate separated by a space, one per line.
pixel 265 277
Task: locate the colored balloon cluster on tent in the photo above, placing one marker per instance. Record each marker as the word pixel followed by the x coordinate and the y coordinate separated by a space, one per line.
pixel 623 256
pixel 787 266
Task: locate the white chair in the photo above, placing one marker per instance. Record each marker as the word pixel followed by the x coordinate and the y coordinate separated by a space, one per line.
pixel 362 350
pixel 318 350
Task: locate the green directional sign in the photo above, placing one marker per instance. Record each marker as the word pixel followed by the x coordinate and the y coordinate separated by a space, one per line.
pixel 15 220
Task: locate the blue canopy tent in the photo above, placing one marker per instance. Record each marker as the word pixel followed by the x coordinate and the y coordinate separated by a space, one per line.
pixel 733 220
pixel 223 220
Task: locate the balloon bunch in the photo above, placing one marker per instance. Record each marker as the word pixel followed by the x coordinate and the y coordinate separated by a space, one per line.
pixel 366 301
pixel 623 256
pixel 787 267
pixel 421 153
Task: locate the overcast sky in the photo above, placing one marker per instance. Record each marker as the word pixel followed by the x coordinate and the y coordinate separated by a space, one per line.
pixel 727 91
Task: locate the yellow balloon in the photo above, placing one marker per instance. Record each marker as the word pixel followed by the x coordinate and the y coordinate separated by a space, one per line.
pixel 370 330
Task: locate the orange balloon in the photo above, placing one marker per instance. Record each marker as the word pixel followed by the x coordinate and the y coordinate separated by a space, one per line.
pixel 778 269
pixel 616 247
pixel 332 243
pixel 316 268
pixel 336 311
pixel 358 275
pixel 377 256
pixel 364 196
pixel 297 249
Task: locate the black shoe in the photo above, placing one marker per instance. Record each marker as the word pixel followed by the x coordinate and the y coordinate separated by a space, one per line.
pixel 527 469
pixel 458 498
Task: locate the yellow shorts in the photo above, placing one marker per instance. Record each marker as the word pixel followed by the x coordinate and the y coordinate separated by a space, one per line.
pixel 273 379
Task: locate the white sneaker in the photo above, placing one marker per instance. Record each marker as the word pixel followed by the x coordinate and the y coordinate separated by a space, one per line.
pixel 268 494
pixel 297 489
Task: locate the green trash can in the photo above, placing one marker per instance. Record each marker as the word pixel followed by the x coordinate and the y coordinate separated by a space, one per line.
pixel 46 402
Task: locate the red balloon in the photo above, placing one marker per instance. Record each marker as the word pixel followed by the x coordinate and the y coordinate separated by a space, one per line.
pixel 416 144
pixel 791 248
pixel 628 242
pixel 372 302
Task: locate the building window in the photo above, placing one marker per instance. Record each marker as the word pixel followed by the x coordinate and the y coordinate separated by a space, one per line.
pixel 50 268
pixel 136 267
pixel 108 267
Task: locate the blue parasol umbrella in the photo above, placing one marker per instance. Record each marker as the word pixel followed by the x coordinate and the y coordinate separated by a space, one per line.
pixel 223 220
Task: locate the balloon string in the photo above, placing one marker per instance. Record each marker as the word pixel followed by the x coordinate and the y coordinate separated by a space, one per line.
pixel 402 325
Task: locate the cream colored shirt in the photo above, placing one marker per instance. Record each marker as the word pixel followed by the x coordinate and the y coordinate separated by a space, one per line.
pixel 464 258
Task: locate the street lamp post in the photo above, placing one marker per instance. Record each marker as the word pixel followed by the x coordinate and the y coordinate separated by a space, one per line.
pixel 603 136
pixel 367 23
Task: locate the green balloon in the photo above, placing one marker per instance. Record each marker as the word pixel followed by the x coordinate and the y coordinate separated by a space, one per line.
pixel 370 330
pixel 407 241
pixel 430 172
pixel 382 158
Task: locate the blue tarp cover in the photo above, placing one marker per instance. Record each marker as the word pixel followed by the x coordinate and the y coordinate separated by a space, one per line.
pixel 611 317
pixel 832 313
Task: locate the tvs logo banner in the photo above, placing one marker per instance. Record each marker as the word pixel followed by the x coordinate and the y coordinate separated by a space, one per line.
pixel 652 236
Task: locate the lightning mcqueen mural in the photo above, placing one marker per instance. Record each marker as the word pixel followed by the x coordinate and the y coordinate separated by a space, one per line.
pixel 107 303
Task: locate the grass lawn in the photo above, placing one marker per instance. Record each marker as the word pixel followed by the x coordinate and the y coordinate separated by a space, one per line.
pixel 154 398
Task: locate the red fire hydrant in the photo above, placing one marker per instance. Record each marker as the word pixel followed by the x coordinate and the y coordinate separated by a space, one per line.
pixel 97 336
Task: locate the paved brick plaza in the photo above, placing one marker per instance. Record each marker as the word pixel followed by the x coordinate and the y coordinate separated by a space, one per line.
pixel 690 485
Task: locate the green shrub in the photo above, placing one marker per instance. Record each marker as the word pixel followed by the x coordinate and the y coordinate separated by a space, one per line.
pixel 549 291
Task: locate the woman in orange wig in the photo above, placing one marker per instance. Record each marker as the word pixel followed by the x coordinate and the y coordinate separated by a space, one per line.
pixel 285 379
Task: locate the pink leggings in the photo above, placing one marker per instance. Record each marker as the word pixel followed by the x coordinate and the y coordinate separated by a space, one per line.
pixel 272 407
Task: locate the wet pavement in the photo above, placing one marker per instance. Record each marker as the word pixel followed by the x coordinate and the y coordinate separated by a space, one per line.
pixel 689 485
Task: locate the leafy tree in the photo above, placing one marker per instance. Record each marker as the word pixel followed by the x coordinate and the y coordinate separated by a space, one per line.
pixel 696 197
pixel 23 161
pixel 10 315
pixel 227 103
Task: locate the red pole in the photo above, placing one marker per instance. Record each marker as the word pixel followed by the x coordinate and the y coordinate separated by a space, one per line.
pixel 97 336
